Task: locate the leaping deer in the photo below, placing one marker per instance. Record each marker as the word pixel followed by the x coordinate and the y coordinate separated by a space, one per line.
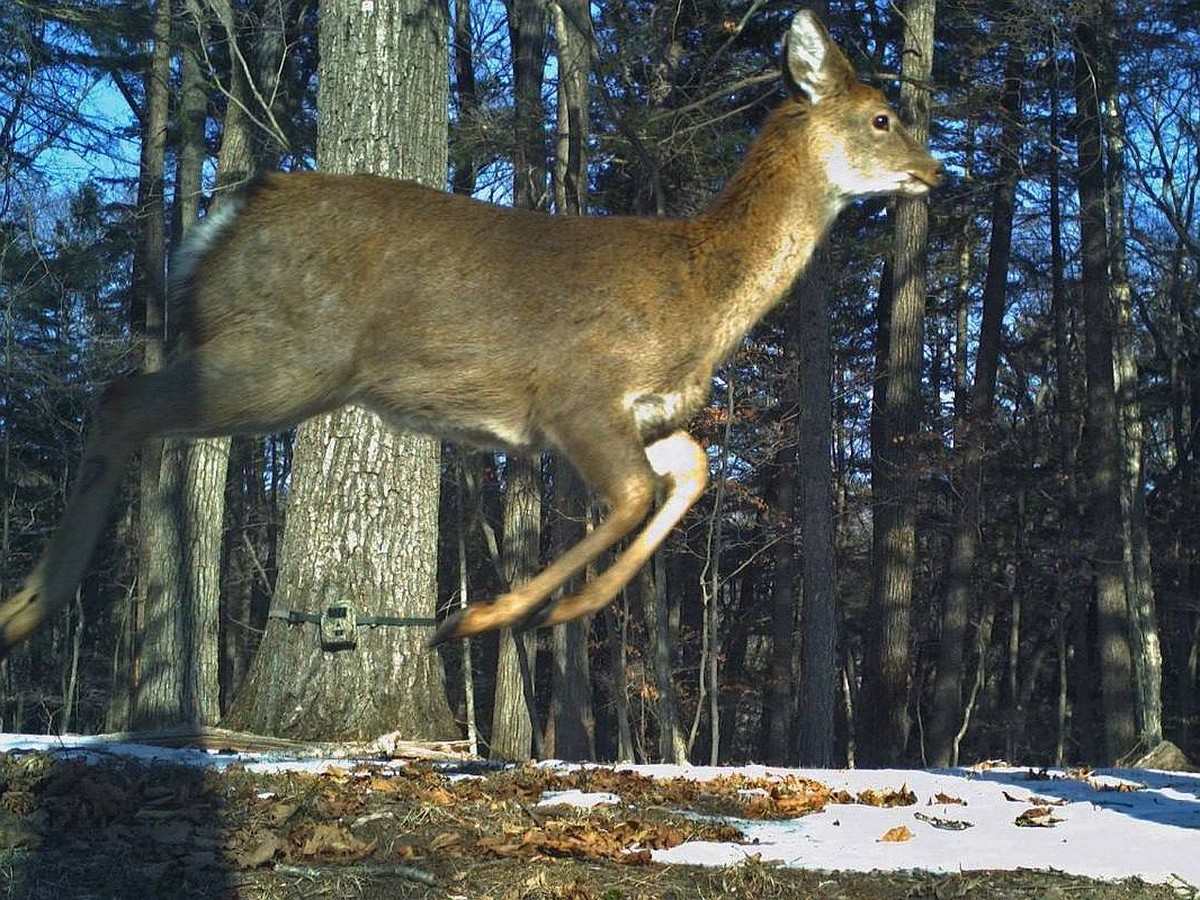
pixel 594 337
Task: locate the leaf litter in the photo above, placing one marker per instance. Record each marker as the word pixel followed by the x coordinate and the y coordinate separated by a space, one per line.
pixel 178 830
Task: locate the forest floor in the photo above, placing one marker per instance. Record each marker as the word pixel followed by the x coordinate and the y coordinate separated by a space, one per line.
pixel 108 826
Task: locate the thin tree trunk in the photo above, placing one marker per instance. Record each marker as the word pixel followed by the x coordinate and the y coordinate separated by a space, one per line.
pixel 971 433
pixel 157 676
pixel 780 693
pixel 573 30
pixel 512 725
pixel 672 744
pixel 465 167
pixel 819 611
pixel 513 711
pixel 1073 604
pixel 571 718
pixel 187 506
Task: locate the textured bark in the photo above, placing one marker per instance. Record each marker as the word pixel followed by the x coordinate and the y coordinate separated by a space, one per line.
pixel 362 519
pixel 894 480
pixel 465 166
pixel 573 32
pixel 1136 559
pixel 513 708
pixel 160 651
pixel 672 743
pixel 527 32
pixel 1102 425
pixel 571 706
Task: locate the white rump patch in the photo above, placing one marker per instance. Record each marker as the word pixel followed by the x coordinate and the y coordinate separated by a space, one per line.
pixel 201 238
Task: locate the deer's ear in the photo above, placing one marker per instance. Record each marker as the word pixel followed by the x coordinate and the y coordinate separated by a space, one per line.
pixel 812 65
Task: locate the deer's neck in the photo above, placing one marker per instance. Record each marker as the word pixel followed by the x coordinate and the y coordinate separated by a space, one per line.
pixel 763 228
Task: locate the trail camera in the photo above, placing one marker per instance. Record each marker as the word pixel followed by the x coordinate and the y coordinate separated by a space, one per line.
pixel 339 627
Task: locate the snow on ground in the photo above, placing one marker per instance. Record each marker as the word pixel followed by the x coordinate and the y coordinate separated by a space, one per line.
pixel 1111 824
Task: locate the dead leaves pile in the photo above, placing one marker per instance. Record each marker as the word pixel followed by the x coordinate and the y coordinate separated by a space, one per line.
pixel 164 820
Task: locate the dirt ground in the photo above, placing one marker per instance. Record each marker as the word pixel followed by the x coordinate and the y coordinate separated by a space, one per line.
pixel 121 829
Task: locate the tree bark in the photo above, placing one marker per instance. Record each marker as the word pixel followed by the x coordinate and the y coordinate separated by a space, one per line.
pixel 513 709
pixel 572 722
pixel 672 743
pixel 1136 559
pixel 1102 419
pixel 162 651
pixel 573 30
pixel 780 690
pixel 894 479
pixel 362 523
pixel 527 33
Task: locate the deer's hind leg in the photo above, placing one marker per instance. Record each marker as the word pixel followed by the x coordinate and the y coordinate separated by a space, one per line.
pixel 683 466
pixel 206 392
pixel 116 433
pixel 611 461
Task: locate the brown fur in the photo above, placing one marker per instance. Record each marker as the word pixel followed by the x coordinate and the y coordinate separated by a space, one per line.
pixel 596 337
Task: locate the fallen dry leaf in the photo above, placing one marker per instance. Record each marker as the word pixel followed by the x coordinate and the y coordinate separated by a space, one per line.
pixel 887 799
pixel 258 852
pixel 1038 817
pixel 326 840
pixel 947 800
pixel 896 835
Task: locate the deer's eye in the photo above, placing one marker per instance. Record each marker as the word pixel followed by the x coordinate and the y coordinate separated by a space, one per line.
pixel 882 122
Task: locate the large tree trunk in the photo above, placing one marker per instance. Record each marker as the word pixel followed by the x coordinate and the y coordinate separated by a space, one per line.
pixel 362 523
pixel 1103 423
pixel 894 479
pixel 971 435
pixel 1139 580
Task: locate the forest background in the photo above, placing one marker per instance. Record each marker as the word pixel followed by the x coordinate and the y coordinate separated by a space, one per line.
pixel 950 516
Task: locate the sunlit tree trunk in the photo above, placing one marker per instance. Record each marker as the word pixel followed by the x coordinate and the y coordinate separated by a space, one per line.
pixel 512 719
pixel 163 652
pixel 1102 428
pixel 362 519
pixel 1139 579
